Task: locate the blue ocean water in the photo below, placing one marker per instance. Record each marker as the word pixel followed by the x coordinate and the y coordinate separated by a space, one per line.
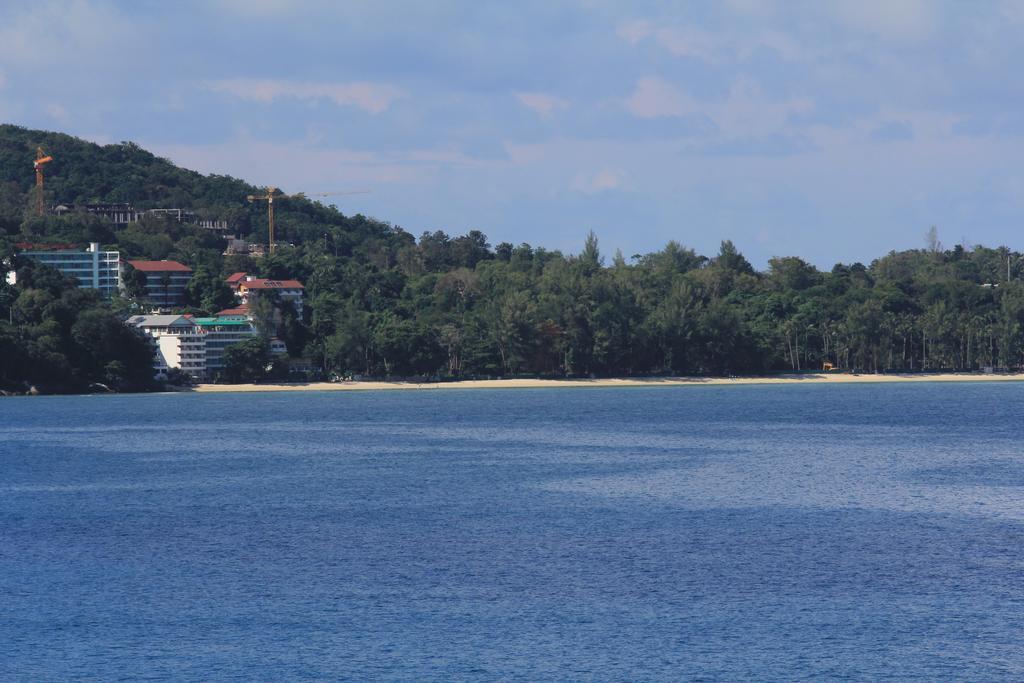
pixel 690 533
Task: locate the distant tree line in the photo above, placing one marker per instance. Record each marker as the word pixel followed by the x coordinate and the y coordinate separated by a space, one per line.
pixel 445 310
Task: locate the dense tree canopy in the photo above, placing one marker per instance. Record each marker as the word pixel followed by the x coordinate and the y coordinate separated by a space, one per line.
pixel 58 337
pixel 382 302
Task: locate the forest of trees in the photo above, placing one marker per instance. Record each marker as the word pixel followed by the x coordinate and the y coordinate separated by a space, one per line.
pixel 59 338
pixel 382 302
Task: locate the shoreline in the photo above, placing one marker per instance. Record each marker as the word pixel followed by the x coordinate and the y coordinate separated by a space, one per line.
pixel 816 378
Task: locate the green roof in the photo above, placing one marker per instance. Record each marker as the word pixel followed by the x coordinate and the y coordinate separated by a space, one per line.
pixel 220 321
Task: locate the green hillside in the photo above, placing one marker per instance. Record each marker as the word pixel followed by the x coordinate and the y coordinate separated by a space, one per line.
pixel 84 172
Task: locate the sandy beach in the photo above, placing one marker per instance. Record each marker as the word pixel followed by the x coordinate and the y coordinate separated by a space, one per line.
pixel 826 378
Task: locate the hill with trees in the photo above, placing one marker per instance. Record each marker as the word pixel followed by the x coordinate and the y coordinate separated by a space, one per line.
pixel 383 302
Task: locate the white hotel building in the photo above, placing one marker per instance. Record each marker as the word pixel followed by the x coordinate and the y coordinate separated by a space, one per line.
pixel 177 343
pixel 94 269
pixel 195 345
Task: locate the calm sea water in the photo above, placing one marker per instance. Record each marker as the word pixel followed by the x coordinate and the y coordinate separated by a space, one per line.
pixel 717 533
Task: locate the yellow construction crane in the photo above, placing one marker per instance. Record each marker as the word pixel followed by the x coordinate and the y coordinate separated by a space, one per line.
pixel 41 159
pixel 272 194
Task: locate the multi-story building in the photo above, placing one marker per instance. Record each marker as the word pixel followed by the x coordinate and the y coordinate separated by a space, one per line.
pixel 215 224
pixel 220 333
pixel 196 345
pixel 237 246
pixel 94 269
pixel 177 343
pixel 248 288
pixel 123 214
pixel 119 214
pixel 165 281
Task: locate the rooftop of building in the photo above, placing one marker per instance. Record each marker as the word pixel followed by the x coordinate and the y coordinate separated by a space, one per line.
pixel 211 322
pixel 239 280
pixel 237 310
pixel 160 266
pixel 93 206
pixel 159 320
pixel 55 246
pixel 265 283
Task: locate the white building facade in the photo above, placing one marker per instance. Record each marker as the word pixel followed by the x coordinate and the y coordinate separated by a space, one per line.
pixel 177 343
pixel 94 269
pixel 195 345
pixel 220 333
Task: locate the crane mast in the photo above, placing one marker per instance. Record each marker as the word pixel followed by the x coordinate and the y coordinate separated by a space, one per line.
pixel 41 160
pixel 270 193
pixel 268 196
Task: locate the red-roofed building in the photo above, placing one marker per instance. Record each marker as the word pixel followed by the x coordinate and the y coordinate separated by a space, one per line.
pixel 263 283
pixel 160 266
pixel 248 289
pixel 33 246
pixel 165 281
pixel 241 311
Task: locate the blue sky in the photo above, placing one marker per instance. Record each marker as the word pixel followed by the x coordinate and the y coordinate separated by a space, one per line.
pixel 835 131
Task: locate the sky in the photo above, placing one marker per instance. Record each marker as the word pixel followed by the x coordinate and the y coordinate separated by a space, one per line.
pixel 831 130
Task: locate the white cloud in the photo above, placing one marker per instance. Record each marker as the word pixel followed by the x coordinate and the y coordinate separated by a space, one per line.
pixel 654 98
pixel 522 154
pixel 58 113
pixel 635 31
pixel 747 114
pixel 292 167
pixel 897 20
pixel 746 111
pixel 541 103
pixel 601 181
pixel 48 33
pixel 310 167
pixel 259 7
pixel 749 110
pixel 716 48
pixel 678 41
pixel 785 46
pixel 755 8
pixel 372 97
pixel 687 42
